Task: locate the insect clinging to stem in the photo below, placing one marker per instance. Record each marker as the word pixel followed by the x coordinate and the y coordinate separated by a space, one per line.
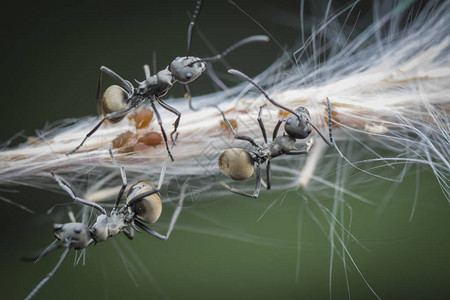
pixel 143 205
pixel 239 164
pixel 119 100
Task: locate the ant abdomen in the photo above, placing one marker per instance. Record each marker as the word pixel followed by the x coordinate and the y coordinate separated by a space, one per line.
pixel 236 164
pixel 298 129
pixel 114 100
pixel 149 208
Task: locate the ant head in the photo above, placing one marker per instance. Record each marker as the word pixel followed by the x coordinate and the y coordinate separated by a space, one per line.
pixel 149 208
pixel 75 234
pixel 298 128
pixel 114 99
pixel 236 164
pixel 186 69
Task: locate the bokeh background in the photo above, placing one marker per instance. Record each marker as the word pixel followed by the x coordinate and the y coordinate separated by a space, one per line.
pixel 49 62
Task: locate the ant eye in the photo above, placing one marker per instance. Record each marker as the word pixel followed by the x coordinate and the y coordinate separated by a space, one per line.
pixel 188 75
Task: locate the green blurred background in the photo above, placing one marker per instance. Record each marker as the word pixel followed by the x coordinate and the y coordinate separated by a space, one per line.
pixel 50 56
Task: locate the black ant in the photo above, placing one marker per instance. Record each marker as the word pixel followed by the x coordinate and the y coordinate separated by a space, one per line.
pixel 118 101
pixel 143 205
pixel 239 164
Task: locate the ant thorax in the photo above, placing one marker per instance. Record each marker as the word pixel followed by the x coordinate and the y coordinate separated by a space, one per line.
pixel 156 85
pixel 279 146
pixel 106 226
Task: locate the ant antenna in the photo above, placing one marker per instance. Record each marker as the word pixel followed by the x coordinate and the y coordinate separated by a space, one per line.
pixel 247 40
pixel 245 77
pixel 191 26
pixel 52 247
pixel 329 121
pixel 328 142
pixel 285 53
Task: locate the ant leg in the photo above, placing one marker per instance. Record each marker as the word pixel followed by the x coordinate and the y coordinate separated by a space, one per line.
pixel 238 137
pixel 257 186
pixel 52 247
pixel 275 130
pixel 261 124
pixel 174 111
pixel 173 220
pixel 48 276
pixel 113 115
pixel 124 83
pixel 268 173
pixel 65 186
pixel 147 71
pixel 187 93
pixel 149 230
pixel 158 117
pixel 87 136
pixel 124 182
pixel 129 234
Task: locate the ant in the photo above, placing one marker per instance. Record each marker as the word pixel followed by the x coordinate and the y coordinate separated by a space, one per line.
pixel 118 101
pixel 143 204
pixel 239 164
